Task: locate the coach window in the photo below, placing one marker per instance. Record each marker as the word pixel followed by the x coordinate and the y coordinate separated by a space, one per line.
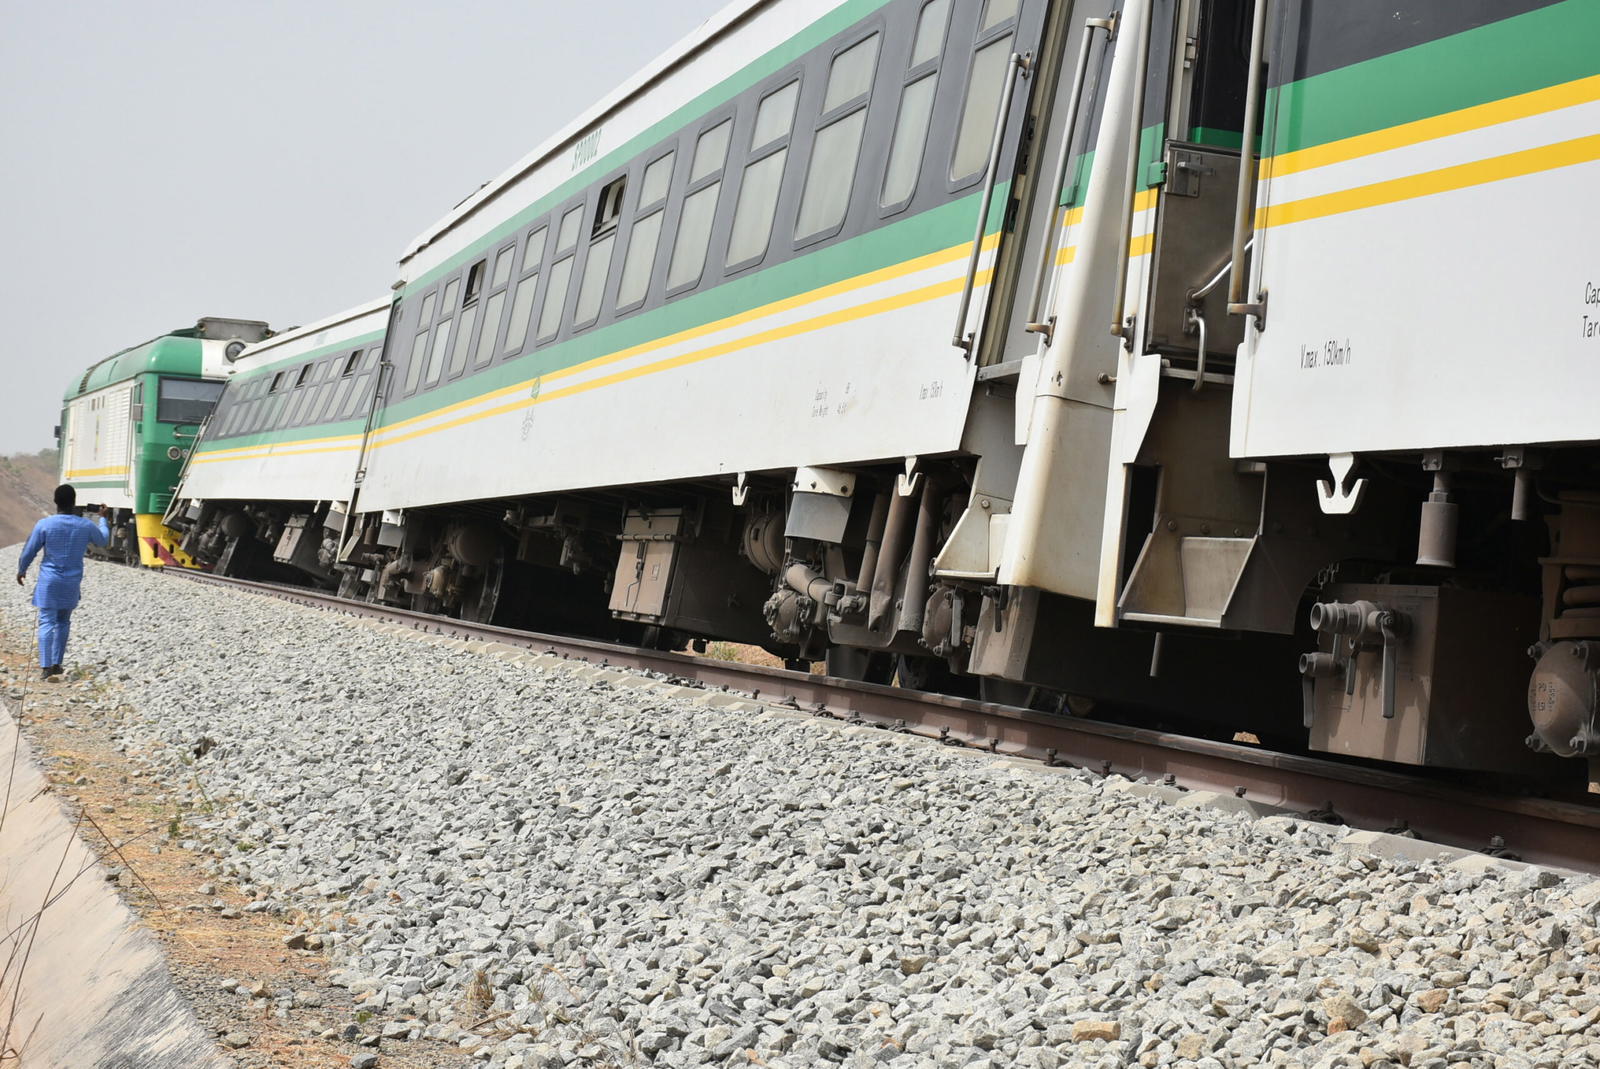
pixel 305 393
pixel 442 330
pixel 419 344
pixel 329 388
pixel 331 379
pixel 322 381
pixel 247 420
pixel 272 414
pixel 277 381
pixel 831 170
pixel 699 207
pixel 763 177
pixel 597 265
pixel 467 319
pixel 494 306
pixel 317 391
pixel 298 397
pixel 646 235
pixel 221 423
pixel 346 384
pixel 555 293
pixel 245 402
pixel 260 401
pixel 916 107
pixel 350 363
pixel 984 83
pixel 522 304
pixel 272 411
pixel 365 384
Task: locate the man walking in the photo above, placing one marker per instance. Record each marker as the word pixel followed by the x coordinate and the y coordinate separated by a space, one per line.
pixel 64 538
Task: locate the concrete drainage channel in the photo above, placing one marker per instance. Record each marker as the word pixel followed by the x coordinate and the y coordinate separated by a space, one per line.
pixel 83 984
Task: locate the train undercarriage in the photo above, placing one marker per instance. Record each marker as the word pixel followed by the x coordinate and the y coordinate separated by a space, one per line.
pixel 1480 655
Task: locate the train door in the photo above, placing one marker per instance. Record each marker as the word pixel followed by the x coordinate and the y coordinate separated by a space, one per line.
pixel 1006 48
pixel 1067 76
pixel 1190 539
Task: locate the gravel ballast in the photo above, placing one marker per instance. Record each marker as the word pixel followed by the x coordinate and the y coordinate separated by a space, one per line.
pixel 551 866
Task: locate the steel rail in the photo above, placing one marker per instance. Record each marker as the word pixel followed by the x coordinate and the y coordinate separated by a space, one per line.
pixel 1539 830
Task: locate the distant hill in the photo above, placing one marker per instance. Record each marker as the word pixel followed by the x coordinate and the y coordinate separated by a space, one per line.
pixel 26 484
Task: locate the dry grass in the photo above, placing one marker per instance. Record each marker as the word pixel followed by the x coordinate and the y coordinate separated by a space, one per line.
pixel 742 654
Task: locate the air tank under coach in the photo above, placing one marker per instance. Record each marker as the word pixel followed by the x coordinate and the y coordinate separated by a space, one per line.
pixel 1223 360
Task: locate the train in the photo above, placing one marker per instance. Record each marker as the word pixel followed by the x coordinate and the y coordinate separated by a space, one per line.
pixel 1229 362
pixel 129 422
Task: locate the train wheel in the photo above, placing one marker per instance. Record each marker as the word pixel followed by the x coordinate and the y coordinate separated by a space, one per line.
pixel 480 608
pixel 849 662
pixel 933 674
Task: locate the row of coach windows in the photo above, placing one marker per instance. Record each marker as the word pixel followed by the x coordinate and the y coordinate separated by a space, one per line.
pixel 323 391
pixel 506 303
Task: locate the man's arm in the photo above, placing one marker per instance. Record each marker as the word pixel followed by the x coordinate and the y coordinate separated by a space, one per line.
pixel 101 535
pixel 30 550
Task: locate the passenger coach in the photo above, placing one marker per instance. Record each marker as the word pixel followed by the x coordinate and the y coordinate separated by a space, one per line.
pixel 1219 359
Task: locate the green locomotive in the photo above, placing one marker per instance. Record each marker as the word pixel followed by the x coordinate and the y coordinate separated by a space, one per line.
pixel 127 424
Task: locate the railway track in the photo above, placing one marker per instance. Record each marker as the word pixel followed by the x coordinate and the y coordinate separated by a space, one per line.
pixel 1538 830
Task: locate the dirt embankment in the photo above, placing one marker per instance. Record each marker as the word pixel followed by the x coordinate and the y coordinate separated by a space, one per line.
pixel 26 482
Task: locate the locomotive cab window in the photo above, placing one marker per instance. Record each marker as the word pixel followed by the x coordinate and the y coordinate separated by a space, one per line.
pixel 830 173
pixel 186 400
pixel 985 79
pixel 915 113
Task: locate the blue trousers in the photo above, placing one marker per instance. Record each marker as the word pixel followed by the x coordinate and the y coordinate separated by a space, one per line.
pixel 54 625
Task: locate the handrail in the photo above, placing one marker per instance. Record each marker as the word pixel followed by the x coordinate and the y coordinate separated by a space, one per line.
pixel 1059 179
pixel 1131 178
pixel 1242 222
pixel 1018 63
pixel 1222 272
pixel 380 386
pixel 1199 322
pixel 183 471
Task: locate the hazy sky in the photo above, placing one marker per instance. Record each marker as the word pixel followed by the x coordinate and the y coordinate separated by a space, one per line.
pixel 260 160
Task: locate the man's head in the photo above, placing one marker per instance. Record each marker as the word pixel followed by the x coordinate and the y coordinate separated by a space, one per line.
pixel 66 498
